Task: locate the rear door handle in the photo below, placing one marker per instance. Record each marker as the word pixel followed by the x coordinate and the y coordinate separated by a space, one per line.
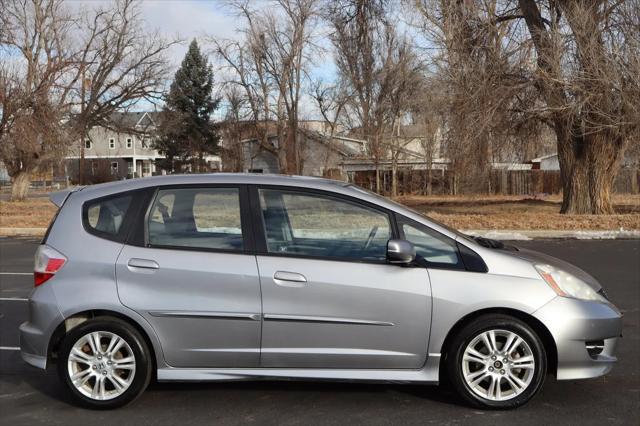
pixel 143 263
pixel 289 279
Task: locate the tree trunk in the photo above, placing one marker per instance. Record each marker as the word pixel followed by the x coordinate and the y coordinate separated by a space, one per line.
pixel 575 196
pixel 589 174
pixel 81 163
pixel 394 179
pixel 20 186
pixel 283 164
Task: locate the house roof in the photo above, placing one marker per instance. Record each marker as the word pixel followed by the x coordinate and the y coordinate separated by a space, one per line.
pixel 544 157
pixel 332 143
pixel 130 120
pixel 406 131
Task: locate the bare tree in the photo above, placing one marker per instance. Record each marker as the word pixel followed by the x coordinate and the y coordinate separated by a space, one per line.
pixel 429 113
pixel 572 65
pixel 588 62
pixel 480 66
pixel 232 149
pixel 55 86
pixel 38 60
pixel 364 40
pixel 119 65
pixel 275 52
pixel 330 100
pixel 404 77
pixel 250 81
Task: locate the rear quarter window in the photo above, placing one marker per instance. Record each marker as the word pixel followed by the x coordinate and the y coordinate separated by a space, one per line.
pixel 106 217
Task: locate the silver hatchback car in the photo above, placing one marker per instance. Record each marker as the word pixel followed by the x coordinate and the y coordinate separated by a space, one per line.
pixel 245 277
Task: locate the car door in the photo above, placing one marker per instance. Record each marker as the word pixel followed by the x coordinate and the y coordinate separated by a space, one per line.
pixel 195 277
pixel 330 299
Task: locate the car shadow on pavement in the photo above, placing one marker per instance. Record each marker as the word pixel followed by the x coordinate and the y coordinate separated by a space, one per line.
pixel 18 377
pixel 428 392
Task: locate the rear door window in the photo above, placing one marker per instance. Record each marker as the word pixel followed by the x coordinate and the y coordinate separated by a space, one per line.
pixel 199 218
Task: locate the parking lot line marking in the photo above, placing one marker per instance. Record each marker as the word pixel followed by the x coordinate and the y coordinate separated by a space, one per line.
pixel 16 273
pixel 13 299
pixel 9 348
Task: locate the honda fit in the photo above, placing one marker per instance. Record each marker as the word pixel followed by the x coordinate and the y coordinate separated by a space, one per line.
pixel 245 277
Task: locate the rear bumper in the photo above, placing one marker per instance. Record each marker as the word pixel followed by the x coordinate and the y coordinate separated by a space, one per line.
pixel 572 324
pixel 35 334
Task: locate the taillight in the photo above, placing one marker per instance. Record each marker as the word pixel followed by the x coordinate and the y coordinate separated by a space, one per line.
pixel 48 261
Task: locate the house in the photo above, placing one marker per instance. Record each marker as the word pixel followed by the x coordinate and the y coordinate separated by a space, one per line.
pixel 631 160
pixel 407 148
pixel 123 148
pixel 546 162
pixel 4 174
pixel 321 154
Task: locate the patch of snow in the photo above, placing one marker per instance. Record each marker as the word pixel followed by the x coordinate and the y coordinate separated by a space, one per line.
pixel 500 235
pixel 523 235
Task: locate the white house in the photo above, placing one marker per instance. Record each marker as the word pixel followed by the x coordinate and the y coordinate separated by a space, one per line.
pixel 546 162
pixel 128 151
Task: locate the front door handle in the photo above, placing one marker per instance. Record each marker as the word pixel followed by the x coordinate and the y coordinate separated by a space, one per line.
pixel 289 279
pixel 143 263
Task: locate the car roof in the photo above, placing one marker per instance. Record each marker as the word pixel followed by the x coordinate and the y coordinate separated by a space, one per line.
pixel 217 178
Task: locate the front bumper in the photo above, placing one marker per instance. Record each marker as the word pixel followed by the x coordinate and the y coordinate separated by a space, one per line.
pixel 35 334
pixel 572 324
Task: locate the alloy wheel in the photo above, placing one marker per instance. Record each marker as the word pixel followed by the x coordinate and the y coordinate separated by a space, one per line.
pixel 498 365
pixel 101 365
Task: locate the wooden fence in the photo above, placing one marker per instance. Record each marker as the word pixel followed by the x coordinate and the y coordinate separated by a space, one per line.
pixel 502 182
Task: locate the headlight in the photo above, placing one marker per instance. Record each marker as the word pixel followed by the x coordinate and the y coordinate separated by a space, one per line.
pixel 567 285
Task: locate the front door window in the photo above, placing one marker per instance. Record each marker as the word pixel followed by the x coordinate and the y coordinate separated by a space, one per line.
pixel 306 224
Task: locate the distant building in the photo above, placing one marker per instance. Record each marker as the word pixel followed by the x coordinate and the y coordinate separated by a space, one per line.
pixel 123 153
pixel 321 154
pixel 546 162
pixel 124 148
pixel 4 175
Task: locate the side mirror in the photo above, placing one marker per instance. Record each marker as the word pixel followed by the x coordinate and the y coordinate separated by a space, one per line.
pixel 400 252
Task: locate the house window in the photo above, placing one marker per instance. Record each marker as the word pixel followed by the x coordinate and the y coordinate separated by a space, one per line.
pixel 114 167
pixel 87 144
pixel 145 142
pixel 129 143
pixel 146 168
pixel 112 143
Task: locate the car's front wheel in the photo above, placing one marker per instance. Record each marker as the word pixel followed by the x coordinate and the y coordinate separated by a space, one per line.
pixel 104 362
pixel 497 361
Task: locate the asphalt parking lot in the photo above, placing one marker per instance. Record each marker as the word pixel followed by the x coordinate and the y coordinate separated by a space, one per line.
pixel 29 396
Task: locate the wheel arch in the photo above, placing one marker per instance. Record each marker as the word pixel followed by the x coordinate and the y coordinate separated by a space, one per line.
pixel 80 317
pixel 541 330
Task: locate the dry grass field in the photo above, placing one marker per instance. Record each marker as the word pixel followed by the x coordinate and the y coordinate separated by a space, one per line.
pixel 31 213
pixel 513 212
pixel 468 212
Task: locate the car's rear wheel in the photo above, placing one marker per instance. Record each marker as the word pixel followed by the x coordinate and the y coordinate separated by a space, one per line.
pixel 497 361
pixel 105 363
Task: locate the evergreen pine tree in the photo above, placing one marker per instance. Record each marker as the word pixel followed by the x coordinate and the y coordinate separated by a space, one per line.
pixel 186 131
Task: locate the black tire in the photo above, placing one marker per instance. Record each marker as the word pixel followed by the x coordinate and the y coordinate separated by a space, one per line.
pixel 468 333
pixel 143 362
